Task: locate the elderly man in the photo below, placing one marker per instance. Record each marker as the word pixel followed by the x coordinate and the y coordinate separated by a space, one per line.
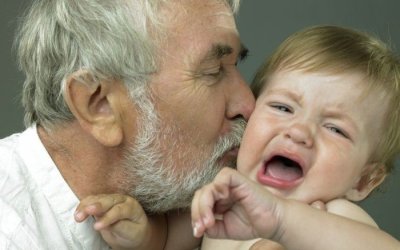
pixel 134 97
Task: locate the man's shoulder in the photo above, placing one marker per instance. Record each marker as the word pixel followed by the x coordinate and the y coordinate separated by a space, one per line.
pixel 11 164
pixel 25 215
pixel 13 151
pixel 8 146
pixel 15 192
pixel 15 233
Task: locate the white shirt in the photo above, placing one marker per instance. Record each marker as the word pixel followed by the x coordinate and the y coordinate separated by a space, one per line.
pixel 36 204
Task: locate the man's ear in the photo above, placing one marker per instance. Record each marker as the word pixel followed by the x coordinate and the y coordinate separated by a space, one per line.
pixel 373 175
pixel 93 103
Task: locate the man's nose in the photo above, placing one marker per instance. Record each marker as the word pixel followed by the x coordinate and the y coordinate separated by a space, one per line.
pixel 240 99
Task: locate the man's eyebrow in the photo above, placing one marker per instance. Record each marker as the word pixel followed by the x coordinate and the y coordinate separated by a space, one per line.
pixel 218 51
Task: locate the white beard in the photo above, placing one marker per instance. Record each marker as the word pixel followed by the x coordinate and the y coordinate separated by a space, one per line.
pixel 152 175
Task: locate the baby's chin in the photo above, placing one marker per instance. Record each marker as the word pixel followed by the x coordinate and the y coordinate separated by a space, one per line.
pixel 293 195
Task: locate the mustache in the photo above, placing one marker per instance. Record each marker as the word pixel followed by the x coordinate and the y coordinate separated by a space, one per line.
pixel 230 140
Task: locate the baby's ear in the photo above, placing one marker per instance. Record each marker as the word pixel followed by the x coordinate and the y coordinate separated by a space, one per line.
pixel 373 175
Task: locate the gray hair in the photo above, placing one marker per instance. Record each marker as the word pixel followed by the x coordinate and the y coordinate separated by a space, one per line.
pixel 109 39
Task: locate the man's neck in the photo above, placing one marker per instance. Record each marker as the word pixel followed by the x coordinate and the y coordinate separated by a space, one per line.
pixel 87 166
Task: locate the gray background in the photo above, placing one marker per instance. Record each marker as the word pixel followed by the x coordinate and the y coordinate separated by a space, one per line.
pixel 262 25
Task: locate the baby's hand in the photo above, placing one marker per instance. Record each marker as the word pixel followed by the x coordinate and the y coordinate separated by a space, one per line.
pixel 119 218
pixel 248 210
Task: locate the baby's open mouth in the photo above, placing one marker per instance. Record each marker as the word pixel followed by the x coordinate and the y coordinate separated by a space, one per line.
pixel 280 172
pixel 282 168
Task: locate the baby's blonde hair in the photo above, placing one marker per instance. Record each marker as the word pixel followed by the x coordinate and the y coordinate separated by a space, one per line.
pixel 337 50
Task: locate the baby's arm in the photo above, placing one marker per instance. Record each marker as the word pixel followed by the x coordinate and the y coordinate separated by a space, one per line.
pixel 249 211
pixel 124 225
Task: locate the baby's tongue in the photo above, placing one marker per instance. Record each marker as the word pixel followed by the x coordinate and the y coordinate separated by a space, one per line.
pixel 283 170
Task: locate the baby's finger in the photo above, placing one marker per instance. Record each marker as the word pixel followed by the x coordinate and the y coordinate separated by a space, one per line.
pixel 105 201
pixel 202 209
pixel 197 223
pixel 97 205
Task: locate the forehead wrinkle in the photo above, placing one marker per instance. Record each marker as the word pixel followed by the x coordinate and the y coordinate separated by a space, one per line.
pixel 297 97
